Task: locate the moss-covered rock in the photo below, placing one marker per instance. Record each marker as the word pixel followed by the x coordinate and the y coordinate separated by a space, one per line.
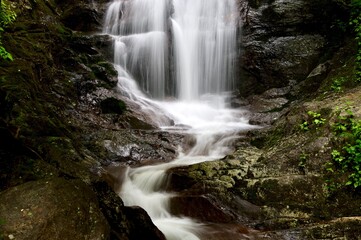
pixel 52 209
pixel 112 105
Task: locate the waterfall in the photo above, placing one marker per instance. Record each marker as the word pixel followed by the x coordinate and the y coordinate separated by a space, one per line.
pixel 191 43
pixel 204 36
pixel 205 46
pixel 140 29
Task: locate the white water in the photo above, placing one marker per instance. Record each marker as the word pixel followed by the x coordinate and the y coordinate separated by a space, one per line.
pixel 205 46
pixel 141 41
pixel 204 36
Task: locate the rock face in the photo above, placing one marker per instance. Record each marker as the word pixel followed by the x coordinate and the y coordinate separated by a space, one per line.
pixel 283 41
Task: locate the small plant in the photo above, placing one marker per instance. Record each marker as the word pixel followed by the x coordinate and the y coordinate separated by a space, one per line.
pixel 315 121
pixel 346 156
pixel 304 126
pixel 302 162
pixel 355 22
pixel 7 16
pixel 337 84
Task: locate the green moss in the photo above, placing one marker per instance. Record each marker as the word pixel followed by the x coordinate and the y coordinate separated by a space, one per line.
pixel 7 16
pixel 112 105
pixel 109 68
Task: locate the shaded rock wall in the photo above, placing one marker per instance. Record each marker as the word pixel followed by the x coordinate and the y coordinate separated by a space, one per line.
pixel 283 41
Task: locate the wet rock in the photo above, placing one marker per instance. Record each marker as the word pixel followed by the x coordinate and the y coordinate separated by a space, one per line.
pixel 130 223
pixel 275 62
pixel 282 41
pixel 81 19
pixel 141 225
pixel 134 147
pixel 280 186
pixel 335 229
pixel 112 208
pixel 82 15
pixel 206 187
pixel 52 209
pixel 106 72
pixel 202 207
pixel 112 105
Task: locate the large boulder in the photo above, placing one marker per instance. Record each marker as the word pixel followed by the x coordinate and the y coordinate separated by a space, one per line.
pixel 52 209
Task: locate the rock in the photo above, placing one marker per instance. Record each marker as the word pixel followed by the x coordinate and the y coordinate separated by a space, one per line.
pixel 112 208
pixel 280 186
pixel 112 105
pixel 335 229
pixel 141 225
pixel 131 223
pixel 204 208
pixel 282 41
pixel 81 19
pixel 133 147
pixel 275 62
pixel 52 209
pixel 83 15
pixel 205 191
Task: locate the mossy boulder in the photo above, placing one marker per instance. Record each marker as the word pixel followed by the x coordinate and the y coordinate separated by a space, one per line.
pixel 112 105
pixel 52 209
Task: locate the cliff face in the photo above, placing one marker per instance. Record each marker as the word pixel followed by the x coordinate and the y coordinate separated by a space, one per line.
pixel 58 108
pixel 283 41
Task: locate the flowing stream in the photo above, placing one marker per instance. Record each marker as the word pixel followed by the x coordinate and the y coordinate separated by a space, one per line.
pixel 176 58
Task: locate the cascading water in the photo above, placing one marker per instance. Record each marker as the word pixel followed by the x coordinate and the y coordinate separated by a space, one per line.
pixel 141 43
pixel 205 46
pixel 203 33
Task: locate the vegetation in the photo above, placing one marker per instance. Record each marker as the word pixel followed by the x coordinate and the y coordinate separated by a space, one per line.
pixel 315 121
pixel 346 156
pixel 7 16
pixel 337 84
pixel 355 22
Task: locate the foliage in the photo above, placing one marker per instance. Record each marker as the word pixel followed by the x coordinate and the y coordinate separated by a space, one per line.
pixel 302 161
pixel 338 83
pixel 355 22
pixel 346 156
pixel 315 121
pixel 7 16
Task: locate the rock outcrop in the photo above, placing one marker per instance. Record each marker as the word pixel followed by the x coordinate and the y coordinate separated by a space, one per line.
pixel 283 41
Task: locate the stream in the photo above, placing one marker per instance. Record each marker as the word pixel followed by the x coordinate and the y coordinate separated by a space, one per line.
pixel 176 58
